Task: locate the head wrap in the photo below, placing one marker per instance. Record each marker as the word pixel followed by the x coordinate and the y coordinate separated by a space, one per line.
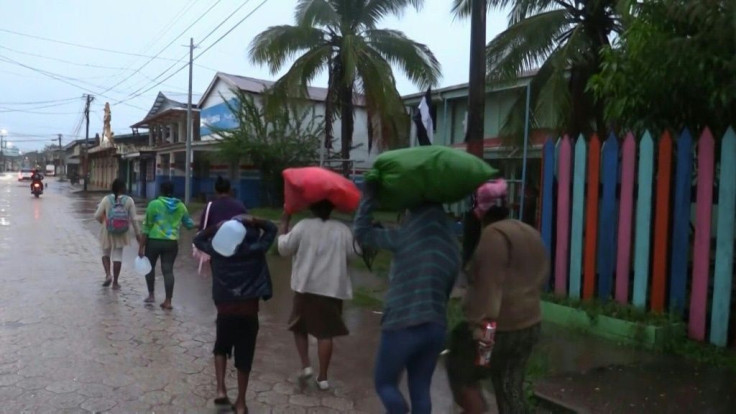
pixel 488 195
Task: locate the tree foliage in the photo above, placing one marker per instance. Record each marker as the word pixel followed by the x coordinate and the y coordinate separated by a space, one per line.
pixel 342 37
pixel 557 42
pixel 674 66
pixel 273 139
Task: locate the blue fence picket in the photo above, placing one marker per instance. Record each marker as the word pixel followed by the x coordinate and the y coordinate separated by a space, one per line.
pixel 680 252
pixel 548 196
pixel 608 218
pixel 643 220
pixel 724 242
pixel 578 213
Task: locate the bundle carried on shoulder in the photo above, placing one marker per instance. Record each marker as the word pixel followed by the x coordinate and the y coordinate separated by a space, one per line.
pixel 410 176
pixel 309 185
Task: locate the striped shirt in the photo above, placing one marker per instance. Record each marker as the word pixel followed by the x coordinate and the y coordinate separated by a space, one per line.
pixel 426 261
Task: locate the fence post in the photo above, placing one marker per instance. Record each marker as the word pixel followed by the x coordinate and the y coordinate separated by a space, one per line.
pixel 701 246
pixel 591 218
pixel 623 258
pixel 563 216
pixel 578 211
pixel 643 221
pixel 607 221
pixel 681 225
pixel 661 222
pixel 724 242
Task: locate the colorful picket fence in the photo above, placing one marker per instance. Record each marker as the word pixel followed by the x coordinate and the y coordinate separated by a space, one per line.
pixel 621 223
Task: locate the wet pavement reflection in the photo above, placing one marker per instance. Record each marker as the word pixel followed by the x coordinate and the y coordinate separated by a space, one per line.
pixel 69 344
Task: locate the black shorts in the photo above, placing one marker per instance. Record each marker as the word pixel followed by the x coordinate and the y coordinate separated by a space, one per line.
pixel 237 332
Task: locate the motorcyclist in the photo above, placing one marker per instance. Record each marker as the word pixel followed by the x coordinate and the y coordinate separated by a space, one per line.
pixel 36 177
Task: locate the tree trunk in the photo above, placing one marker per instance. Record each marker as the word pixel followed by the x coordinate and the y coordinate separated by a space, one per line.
pixel 477 82
pixel 346 124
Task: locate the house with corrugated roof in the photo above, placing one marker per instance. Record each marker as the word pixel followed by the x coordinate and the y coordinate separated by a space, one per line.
pixel 215 113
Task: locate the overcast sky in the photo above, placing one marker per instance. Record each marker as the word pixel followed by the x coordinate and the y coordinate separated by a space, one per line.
pixel 43 81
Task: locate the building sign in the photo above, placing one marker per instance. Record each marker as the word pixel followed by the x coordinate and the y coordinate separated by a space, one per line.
pixel 217 116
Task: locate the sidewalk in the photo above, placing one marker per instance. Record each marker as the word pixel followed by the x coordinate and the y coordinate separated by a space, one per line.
pixel 591 375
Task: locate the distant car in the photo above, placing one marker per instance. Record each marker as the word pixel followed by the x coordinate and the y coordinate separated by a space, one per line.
pixel 50 170
pixel 25 174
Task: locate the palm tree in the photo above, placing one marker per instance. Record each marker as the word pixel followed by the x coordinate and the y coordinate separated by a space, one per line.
pixel 560 41
pixel 341 36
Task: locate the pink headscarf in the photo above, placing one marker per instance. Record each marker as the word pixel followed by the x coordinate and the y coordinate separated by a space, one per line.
pixel 489 194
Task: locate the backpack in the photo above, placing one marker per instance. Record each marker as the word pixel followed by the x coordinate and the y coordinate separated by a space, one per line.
pixel 118 220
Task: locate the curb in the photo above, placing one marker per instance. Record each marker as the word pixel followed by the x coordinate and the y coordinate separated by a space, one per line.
pixel 557 406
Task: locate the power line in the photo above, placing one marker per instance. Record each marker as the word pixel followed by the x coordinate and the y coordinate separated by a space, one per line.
pixel 82 46
pixel 60 78
pixel 39 102
pixel 163 49
pixel 132 96
pixel 88 65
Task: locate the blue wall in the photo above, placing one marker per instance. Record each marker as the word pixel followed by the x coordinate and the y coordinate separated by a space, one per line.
pixel 218 116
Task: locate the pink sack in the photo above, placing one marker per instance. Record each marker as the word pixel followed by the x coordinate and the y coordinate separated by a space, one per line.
pixel 308 185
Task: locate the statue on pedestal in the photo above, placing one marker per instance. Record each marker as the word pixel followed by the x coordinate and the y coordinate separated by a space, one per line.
pixel 107 139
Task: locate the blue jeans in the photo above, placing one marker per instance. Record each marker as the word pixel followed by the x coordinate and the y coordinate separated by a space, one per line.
pixel 415 349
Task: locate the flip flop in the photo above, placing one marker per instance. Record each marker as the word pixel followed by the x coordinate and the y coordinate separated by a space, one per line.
pixel 223 401
pixel 107 282
pixel 166 307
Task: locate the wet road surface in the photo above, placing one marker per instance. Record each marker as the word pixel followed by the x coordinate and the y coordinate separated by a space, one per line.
pixel 69 345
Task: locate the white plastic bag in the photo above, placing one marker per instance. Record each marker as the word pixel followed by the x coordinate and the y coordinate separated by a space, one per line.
pixel 228 237
pixel 142 265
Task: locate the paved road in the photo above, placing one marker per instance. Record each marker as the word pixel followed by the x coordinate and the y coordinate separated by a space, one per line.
pixel 69 345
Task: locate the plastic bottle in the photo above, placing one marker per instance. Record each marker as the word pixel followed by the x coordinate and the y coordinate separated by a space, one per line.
pixel 229 236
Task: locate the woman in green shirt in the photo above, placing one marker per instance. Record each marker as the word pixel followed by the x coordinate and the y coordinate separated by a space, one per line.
pixel 164 217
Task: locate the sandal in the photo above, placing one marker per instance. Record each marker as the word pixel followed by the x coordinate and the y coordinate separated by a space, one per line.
pixel 223 401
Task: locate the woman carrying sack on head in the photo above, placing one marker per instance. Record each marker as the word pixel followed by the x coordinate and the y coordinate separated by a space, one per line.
pixel 223 208
pixel 116 213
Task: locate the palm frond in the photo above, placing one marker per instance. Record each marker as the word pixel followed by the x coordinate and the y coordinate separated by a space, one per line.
pixel 415 59
pixel 277 44
pixel 375 10
pixel 524 9
pixel 525 45
pixel 315 13
pixel 462 8
pixel 293 84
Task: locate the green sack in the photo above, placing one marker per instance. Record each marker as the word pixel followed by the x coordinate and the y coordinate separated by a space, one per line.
pixel 407 177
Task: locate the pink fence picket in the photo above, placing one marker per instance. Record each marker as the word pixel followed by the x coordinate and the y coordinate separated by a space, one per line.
pixel 701 247
pixel 626 207
pixel 562 246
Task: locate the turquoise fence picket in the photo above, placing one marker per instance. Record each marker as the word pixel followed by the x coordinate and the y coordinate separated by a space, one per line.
pixel 607 219
pixel 724 242
pixel 642 243
pixel 578 214
pixel 680 252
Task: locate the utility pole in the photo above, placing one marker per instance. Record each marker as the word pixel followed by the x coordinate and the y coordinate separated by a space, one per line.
pixel 61 161
pixel 90 98
pixel 189 158
pixel 477 81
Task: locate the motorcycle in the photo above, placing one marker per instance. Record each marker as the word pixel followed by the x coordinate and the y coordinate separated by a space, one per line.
pixel 37 188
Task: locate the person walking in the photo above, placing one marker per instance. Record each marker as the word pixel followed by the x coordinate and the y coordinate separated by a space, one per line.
pixel 164 217
pixel 238 283
pixel 508 270
pixel 116 212
pixel 321 248
pixel 223 207
pixel 426 262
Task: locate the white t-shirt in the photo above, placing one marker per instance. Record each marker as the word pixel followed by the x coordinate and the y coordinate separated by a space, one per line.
pixel 321 250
